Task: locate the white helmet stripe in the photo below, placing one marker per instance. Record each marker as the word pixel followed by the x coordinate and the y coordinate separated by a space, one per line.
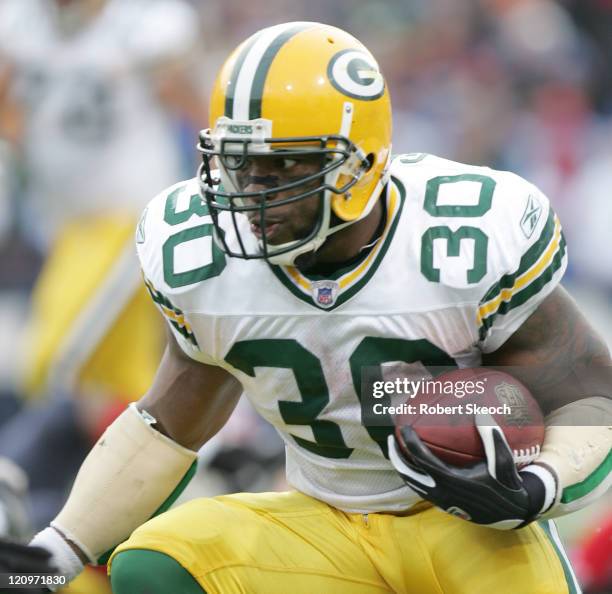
pixel 252 73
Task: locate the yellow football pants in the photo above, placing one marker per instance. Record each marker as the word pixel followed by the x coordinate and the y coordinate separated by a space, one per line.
pixel 91 581
pixel 288 543
pixel 93 326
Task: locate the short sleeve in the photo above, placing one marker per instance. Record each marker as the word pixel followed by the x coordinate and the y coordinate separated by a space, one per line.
pixel 152 234
pixel 529 258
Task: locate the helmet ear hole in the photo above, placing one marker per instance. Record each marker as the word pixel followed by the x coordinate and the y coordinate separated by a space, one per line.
pixel 370 162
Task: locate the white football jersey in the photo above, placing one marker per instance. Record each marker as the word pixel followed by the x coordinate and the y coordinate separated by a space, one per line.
pixel 466 256
pixel 96 135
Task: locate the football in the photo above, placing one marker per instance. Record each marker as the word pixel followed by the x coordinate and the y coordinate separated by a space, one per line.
pixel 443 411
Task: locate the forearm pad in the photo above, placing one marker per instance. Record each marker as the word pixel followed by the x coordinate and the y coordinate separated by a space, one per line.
pixel 124 480
pixel 577 448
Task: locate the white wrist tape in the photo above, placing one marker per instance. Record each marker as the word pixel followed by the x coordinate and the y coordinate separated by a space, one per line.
pixel 63 557
pixel 128 474
pixel 577 442
pixel 549 481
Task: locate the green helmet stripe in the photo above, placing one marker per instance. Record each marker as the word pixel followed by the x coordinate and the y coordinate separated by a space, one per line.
pixel 245 87
pixel 264 66
pixel 231 85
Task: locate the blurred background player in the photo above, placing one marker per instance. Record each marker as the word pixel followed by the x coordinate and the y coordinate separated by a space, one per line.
pixel 94 95
pixel 92 85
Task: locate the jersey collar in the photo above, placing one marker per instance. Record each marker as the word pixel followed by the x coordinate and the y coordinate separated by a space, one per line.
pixel 331 291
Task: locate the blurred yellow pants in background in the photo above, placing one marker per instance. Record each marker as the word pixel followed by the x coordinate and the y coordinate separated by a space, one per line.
pixel 92 328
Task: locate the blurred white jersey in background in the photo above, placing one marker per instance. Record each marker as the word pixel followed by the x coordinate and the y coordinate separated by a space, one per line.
pixel 97 90
pixel 96 137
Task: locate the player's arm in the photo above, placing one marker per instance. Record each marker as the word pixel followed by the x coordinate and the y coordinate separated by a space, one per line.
pixel 142 461
pixel 523 319
pixel 562 357
pixel 190 401
pixel 568 367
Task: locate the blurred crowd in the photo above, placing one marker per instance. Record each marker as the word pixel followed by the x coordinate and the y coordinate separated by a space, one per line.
pixel 523 85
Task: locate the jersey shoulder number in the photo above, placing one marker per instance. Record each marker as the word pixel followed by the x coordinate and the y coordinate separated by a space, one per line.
pixel 488 234
pixel 175 242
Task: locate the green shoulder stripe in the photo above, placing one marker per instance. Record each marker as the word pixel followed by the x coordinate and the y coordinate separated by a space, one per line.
pixel 172 313
pixel 530 257
pixel 528 292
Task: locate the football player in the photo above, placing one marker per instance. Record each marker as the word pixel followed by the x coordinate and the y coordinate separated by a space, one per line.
pixel 302 253
pixel 84 85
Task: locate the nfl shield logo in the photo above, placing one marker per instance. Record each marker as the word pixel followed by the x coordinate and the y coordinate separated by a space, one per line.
pixel 324 293
pixel 512 396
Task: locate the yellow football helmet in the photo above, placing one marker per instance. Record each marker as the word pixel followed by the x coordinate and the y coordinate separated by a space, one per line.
pixel 298 89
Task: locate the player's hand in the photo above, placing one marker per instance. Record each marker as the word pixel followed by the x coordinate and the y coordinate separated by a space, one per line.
pixel 17 558
pixel 492 492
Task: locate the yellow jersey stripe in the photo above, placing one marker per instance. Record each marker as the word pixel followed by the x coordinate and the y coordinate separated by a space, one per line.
pixel 525 278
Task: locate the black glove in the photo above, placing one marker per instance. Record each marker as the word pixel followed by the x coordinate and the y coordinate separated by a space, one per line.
pixel 492 492
pixel 17 558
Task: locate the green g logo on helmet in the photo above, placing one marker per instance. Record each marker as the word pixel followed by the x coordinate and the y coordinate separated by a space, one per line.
pixel 356 74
